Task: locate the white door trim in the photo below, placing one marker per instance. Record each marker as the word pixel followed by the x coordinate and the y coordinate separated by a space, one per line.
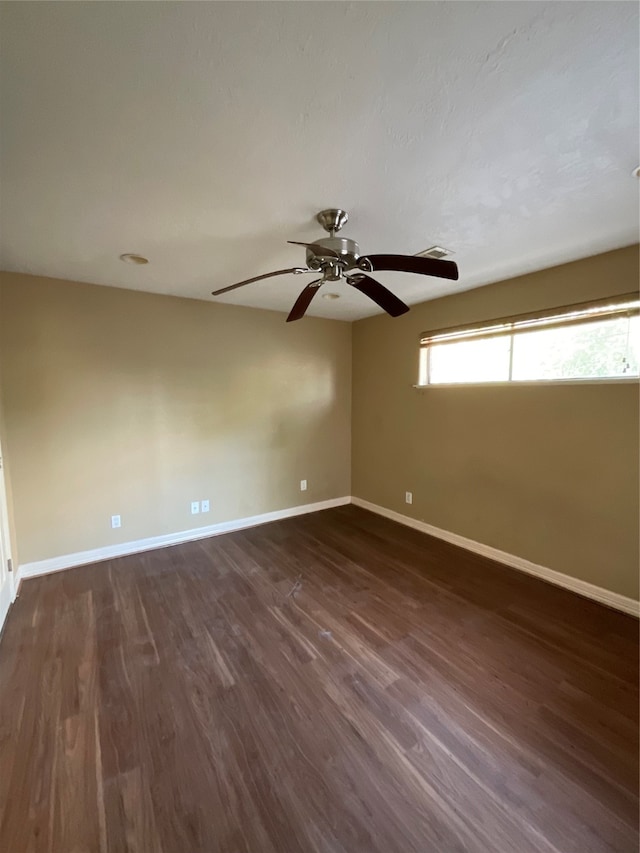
pixel 8 588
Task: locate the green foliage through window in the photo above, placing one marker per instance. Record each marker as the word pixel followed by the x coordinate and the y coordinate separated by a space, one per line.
pixel 587 349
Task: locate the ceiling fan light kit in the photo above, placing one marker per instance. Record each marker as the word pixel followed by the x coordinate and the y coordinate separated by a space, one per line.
pixel 339 258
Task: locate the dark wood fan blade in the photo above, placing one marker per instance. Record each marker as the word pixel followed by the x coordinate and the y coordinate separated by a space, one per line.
pixel 294 270
pixel 379 293
pixel 411 263
pixel 304 300
pixel 316 248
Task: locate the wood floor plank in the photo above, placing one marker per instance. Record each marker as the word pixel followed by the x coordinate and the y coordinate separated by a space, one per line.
pixel 333 683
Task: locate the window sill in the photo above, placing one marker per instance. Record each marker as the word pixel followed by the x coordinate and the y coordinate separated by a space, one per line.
pixel 614 380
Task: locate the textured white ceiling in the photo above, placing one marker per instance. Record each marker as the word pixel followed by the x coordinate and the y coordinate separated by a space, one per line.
pixel 204 135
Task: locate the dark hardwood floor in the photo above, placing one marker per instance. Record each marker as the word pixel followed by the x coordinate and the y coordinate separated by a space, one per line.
pixel 333 683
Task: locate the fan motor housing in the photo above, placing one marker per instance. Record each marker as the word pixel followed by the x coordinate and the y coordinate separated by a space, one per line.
pixel 347 250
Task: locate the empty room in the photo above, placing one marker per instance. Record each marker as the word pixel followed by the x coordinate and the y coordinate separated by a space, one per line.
pixel 319 427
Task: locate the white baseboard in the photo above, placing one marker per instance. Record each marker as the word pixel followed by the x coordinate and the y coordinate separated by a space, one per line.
pixel 589 590
pixel 68 561
pixel 109 552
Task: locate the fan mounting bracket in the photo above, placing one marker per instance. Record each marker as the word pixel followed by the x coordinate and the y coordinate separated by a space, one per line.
pixel 332 219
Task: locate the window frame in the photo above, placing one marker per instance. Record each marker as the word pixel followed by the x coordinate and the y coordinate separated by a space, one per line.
pixel 512 326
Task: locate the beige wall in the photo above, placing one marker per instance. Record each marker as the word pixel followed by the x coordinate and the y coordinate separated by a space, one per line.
pixel 548 473
pixel 118 402
pixel 122 402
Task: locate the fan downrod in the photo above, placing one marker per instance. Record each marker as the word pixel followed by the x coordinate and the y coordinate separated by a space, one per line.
pixel 332 219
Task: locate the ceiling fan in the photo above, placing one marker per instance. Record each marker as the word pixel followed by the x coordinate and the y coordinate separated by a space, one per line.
pixel 338 257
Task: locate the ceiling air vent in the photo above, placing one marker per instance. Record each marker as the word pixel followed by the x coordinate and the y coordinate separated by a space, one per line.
pixel 435 252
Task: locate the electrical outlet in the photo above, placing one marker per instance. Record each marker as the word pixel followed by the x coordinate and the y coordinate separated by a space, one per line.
pixel 303 485
pixel 115 521
pixel 408 497
pixel 204 506
pixel 195 507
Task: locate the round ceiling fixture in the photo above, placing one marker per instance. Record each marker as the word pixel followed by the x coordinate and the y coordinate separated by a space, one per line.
pixel 636 172
pixel 331 296
pixel 130 258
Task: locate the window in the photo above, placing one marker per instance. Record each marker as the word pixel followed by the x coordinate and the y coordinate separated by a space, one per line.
pixel 596 340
